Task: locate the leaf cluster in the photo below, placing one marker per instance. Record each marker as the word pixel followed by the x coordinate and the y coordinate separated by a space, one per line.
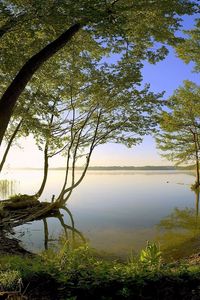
pixel 180 125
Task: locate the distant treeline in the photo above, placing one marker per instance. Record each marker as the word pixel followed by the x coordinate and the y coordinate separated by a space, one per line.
pixel 120 168
pixel 141 168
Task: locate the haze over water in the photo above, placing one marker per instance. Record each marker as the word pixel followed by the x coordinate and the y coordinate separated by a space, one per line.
pixel 117 211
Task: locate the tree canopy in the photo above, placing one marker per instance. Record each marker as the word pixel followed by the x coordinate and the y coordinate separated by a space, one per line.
pixel 179 138
pixel 34 32
pixel 189 49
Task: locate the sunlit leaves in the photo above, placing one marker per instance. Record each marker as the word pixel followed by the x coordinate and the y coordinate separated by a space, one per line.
pixel 77 79
pixel 180 125
pixel 189 50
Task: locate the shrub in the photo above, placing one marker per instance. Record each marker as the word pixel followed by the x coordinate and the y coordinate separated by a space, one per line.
pixel 9 280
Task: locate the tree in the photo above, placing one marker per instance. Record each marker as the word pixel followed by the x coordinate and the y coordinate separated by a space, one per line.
pixel 189 49
pixel 104 101
pixel 179 138
pixel 97 117
pixel 91 106
pixel 110 23
pixel 26 119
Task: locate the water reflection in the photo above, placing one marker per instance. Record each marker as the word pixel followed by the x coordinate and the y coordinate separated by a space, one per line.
pixel 17 239
pixel 117 211
pixel 181 231
pixel 70 233
pixel 8 232
pixel 197 192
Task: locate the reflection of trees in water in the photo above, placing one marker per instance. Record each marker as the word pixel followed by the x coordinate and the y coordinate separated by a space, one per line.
pixel 71 237
pixel 70 232
pixel 8 188
pixel 17 215
pixel 197 192
pixel 181 230
pixel 187 218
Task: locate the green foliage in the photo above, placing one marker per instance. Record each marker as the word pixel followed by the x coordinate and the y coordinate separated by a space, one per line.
pixel 151 255
pixel 190 48
pixel 76 101
pixel 28 26
pixel 80 272
pixel 179 134
pixel 77 264
pixel 25 266
pixel 128 29
pixel 9 280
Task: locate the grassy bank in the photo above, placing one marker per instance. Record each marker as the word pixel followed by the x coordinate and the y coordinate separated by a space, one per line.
pixel 81 274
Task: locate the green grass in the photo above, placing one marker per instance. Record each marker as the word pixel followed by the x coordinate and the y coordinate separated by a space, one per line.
pixel 80 273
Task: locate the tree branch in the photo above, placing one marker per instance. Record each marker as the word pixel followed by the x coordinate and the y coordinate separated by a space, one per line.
pixel 11 95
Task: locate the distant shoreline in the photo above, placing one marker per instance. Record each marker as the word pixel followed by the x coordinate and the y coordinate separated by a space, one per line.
pixel 118 168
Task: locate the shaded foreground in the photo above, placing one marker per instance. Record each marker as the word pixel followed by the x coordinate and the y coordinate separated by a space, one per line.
pixel 82 274
pixel 77 272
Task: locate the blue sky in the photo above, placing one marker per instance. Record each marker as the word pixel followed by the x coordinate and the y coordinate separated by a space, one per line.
pixel 166 75
pixel 169 74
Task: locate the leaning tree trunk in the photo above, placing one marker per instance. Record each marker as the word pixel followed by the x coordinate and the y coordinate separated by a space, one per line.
pixel 197 164
pixel 11 95
pixel 46 159
pixel 46 168
pixel 9 145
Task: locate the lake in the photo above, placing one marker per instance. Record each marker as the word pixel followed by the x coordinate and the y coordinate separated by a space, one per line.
pixel 117 211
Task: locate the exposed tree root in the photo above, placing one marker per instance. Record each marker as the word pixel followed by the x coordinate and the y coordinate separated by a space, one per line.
pixel 22 209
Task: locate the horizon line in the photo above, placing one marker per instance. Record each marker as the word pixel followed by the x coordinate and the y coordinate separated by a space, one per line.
pixel 110 167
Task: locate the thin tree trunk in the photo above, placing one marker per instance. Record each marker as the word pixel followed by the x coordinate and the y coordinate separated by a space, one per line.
pixel 46 168
pixel 197 163
pixel 9 145
pixel 11 95
pixel 69 190
pixel 46 157
pixel 197 171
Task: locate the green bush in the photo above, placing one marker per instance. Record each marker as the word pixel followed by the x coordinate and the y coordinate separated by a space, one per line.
pixel 9 280
pixel 81 272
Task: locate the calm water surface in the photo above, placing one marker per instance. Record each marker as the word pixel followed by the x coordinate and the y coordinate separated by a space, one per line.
pixel 116 211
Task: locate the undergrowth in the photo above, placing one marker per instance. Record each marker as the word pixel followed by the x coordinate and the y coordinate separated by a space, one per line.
pixel 80 271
